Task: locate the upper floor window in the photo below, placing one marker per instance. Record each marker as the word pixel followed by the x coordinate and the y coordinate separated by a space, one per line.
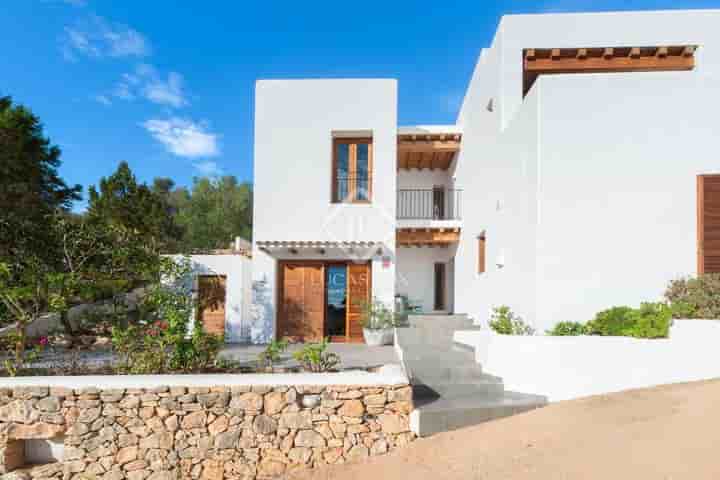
pixel 352 170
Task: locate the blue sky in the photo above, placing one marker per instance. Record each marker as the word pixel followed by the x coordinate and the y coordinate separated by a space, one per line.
pixel 167 85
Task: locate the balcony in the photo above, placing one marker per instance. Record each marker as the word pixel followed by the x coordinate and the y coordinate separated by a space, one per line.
pixel 428 204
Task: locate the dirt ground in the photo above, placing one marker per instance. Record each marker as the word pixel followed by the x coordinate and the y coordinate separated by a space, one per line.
pixel 670 432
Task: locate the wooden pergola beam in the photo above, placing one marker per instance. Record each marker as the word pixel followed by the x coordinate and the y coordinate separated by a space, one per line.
pixel 428 147
pixel 427 236
pixel 612 64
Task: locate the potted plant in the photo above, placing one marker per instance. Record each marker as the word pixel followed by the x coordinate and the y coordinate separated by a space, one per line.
pixel 378 321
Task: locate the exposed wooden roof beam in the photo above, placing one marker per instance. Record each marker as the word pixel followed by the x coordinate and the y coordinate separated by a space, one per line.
pixel 431 146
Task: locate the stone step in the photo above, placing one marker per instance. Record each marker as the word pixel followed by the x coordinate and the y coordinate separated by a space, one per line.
pixel 453 411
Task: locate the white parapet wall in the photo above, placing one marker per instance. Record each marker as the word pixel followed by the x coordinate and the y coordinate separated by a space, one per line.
pixel 387 375
pixel 562 368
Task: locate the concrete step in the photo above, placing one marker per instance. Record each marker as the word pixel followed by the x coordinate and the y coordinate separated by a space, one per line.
pixel 437 373
pixel 440 322
pixel 489 387
pixel 422 337
pixel 462 409
pixel 450 390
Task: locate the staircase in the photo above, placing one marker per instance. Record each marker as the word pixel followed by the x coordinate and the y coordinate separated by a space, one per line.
pixel 450 390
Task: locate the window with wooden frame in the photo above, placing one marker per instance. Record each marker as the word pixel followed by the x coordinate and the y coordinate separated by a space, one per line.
pixel 481 254
pixel 352 170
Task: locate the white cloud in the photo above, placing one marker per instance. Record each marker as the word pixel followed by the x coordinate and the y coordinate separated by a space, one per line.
pixel 208 168
pixel 146 82
pixel 103 99
pixel 183 137
pixel 96 37
pixel 168 92
pixel 122 91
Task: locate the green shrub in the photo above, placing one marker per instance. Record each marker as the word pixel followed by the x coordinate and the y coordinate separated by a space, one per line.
pixel 697 297
pixel 651 320
pixel 615 321
pixel 314 358
pixel 566 329
pixel 505 322
pixel 162 340
pixel 376 315
pixel 271 355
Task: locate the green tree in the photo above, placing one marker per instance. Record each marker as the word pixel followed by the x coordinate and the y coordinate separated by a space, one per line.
pixel 31 189
pixel 124 202
pixel 213 212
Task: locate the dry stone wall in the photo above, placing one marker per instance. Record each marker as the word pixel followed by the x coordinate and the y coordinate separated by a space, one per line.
pixel 207 433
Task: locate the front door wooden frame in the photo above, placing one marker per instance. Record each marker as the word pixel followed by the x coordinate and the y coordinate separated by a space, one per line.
pixel 324 264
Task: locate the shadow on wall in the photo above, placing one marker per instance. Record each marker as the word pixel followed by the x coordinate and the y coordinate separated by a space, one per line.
pixel 261 327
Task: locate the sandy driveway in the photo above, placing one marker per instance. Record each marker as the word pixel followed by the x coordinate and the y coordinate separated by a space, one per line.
pixel 669 432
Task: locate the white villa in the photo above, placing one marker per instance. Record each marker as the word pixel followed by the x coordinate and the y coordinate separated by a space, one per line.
pixel 581 173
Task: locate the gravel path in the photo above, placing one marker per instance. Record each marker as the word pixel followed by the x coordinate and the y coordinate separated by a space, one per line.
pixel 668 432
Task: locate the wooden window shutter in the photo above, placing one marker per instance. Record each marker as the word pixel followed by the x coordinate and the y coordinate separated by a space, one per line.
pixel 708 224
pixel 481 253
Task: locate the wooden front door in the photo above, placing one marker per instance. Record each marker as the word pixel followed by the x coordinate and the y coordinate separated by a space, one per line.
pixel 708 223
pixel 359 288
pixel 211 303
pixel 302 301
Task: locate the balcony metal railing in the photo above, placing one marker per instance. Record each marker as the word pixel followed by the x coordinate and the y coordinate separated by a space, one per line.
pixel 428 204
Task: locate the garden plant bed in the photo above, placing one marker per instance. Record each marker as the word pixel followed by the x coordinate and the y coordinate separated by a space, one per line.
pixel 233 359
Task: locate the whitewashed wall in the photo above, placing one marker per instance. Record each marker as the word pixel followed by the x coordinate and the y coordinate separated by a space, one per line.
pixel 587 186
pixel 294 125
pixel 237 269
pixel 500 174
pixel 617 219
pixel 563 368
pixel 416 274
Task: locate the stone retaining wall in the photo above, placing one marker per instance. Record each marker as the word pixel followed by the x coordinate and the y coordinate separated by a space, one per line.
pixel 208 433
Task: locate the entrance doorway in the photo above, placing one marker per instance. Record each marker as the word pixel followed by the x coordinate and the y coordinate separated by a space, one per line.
pixel 336 301
pixel 322 299
pixel 439 303
pixel 211 303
